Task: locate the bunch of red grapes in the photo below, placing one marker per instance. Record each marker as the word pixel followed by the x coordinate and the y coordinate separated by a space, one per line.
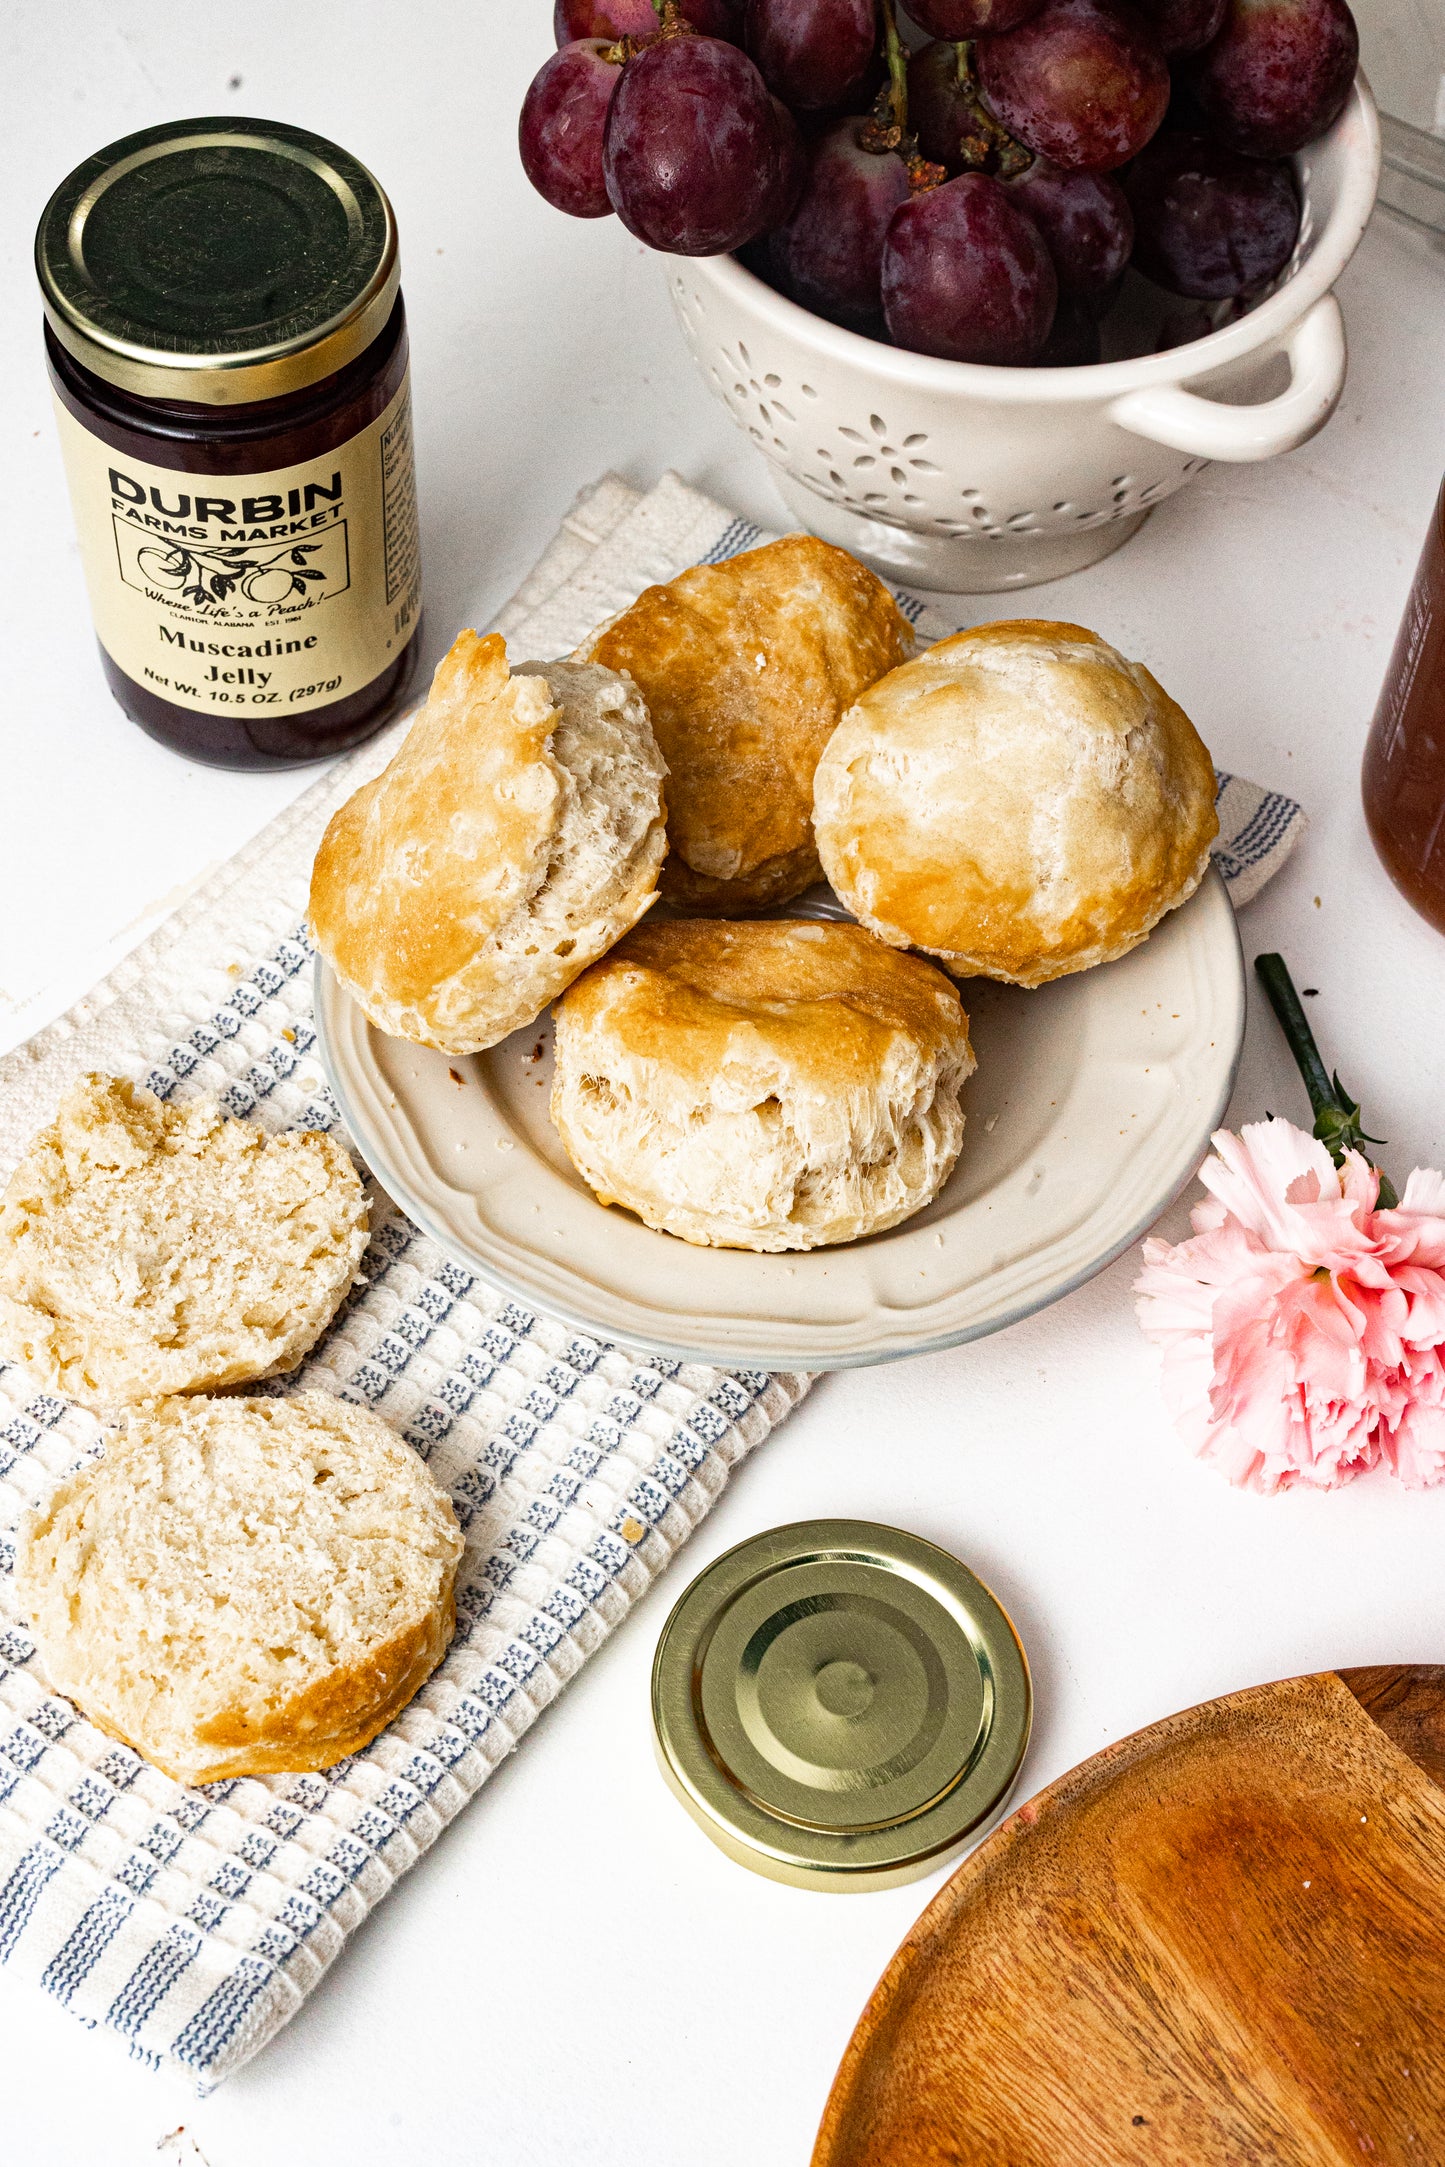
pixel 978 198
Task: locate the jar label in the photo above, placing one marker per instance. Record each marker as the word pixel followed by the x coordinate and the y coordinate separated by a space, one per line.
pixel 282 591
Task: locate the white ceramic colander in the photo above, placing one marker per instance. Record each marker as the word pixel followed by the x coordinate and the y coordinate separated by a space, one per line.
pixel 972 479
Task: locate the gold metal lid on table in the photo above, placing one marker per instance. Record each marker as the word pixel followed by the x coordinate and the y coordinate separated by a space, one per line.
pixel 840 1705
pixel 218 261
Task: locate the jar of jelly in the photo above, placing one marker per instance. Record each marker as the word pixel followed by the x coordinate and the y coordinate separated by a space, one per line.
pixel 227 347
pixel 1404 776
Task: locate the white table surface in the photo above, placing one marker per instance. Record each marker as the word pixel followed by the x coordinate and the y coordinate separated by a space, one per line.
pixel 574 1975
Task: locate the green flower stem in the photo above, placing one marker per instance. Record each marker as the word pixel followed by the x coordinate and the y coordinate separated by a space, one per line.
pixel 1337 1115
pixel 1274 975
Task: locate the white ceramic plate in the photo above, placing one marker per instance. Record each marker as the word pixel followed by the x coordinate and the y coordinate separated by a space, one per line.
pixel 1092 1106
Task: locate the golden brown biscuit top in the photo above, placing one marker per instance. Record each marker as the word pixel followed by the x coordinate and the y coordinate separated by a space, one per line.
pixel 745 667
pixel 1018 792
pixel 420 866
pixel 817 1004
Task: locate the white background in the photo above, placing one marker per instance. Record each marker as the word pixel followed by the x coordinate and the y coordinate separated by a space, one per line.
pixel 574 1975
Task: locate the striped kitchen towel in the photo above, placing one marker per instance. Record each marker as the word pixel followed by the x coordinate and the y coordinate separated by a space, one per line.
pixel 192 1922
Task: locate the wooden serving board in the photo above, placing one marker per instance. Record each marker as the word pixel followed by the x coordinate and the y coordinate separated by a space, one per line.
pixel 1220 1942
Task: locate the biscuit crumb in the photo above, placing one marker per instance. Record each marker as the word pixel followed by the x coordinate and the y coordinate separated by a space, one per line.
pixel 181 2149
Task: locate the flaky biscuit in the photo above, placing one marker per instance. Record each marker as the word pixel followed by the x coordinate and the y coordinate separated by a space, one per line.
pixel 149 1248
pixel 1020 802
pixel 772 1085
pixel 746 667
pixel 514 837
pixel 331 1548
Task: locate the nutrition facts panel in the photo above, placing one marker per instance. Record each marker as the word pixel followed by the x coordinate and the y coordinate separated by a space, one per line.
pixel 402 543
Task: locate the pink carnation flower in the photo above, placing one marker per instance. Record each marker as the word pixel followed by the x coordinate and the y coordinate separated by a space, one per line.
pixel 1303 1329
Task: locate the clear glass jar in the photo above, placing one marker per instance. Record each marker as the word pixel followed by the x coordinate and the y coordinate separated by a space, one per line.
pixel 227 346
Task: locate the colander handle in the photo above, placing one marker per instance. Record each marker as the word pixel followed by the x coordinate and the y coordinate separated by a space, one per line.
pixel 1208 429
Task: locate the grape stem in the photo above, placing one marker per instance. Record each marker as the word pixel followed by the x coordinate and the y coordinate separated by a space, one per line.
pixel 886 127
pixel 985 145
pixel 897 67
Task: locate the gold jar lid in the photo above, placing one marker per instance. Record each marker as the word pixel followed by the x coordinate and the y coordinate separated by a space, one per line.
pixel 217 261
pixel 840 1705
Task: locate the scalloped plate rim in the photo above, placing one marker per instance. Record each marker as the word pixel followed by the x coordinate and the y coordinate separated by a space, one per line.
pixel 808 1354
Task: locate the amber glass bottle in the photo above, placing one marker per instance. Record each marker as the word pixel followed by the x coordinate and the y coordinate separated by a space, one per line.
pixel 227 346
pixel 1404 775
